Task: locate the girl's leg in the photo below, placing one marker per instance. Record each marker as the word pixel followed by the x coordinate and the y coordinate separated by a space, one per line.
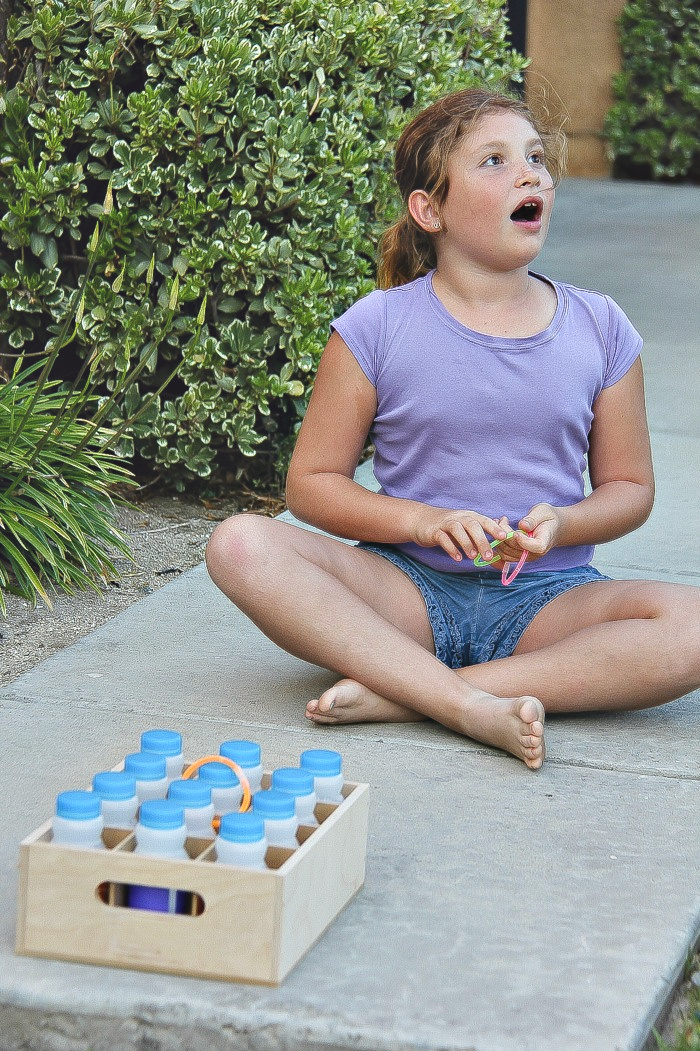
pixel 608 645
pixel 354 613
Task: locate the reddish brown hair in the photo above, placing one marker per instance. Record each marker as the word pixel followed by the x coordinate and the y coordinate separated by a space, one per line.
pixel 422 154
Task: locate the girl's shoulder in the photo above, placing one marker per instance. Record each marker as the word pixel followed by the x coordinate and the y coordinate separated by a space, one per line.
pixel 596 313
pixel 588 301
pixel 383 300
pixel 371 323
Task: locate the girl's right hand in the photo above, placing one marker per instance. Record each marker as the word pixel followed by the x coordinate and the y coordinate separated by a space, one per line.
pixel 458 533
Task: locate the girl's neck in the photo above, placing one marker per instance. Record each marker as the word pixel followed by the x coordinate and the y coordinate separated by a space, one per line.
pixel 514 305
pixel 476 288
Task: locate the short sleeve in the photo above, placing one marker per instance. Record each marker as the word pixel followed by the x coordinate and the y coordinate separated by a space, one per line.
pixel 363 329
pixel 624 344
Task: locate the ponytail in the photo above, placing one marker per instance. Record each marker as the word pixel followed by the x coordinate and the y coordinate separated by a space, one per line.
pixel 405 252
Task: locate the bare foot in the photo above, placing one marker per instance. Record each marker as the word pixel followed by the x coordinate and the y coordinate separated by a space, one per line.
pixel 515 725
pixel 351 702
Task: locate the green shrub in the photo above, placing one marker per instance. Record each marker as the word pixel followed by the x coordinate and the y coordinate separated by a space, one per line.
pixel 247 146
pixel 653 127
pixel 60 466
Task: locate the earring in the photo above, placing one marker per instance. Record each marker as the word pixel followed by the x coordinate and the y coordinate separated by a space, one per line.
pixel 436 224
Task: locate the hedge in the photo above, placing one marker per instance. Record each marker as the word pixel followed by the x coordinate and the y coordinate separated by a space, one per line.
pixel 245 149
pixel 653 127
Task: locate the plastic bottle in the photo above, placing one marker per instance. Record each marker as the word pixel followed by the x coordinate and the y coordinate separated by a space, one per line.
pixel 326 766
pixel 149 770
pixel 300 784
pixel 247 755
pixel 194 797
pixel 226 789
pixel 167 743
pixel 117 790
pixel 160 832
pixel 78 820
pixel 242 841
pixel 279 814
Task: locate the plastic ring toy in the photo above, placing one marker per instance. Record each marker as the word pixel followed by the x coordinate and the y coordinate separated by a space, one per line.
pixel 245 801
pixel 506 578
pixel 479 561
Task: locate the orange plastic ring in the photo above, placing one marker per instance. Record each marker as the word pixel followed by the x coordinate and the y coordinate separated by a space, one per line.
pixel 245 801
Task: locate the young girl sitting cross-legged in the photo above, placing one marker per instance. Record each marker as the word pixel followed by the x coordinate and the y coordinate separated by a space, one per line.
pixel 486 389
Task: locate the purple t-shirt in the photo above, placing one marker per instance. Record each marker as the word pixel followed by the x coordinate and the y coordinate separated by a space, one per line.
pixel 466 420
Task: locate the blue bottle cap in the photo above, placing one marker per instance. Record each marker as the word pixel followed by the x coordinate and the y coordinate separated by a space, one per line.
pixel 114 784
pixel 273 803
pixel 294 780
pixel 163 742
pixel 321 761
pixel 242 828
pixel 245 753
pixel 161 813
pixel 189 793
pixel 145 766
pixel 78 805
pixel 218 775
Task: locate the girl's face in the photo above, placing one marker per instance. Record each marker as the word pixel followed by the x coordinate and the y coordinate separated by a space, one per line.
pixel 500 195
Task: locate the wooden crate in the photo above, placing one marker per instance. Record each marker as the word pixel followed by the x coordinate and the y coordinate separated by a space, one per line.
pixel 247 926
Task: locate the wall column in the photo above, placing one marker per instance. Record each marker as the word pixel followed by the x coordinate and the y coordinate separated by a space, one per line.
pixel 573 45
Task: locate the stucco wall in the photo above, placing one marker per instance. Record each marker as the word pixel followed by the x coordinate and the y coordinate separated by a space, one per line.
pixel 574 52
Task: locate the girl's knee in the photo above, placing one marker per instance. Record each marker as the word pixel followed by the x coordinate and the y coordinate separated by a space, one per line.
pixel 680 606
pixel 235 543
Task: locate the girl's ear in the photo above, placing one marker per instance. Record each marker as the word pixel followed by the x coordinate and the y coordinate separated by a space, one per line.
pixel 422 209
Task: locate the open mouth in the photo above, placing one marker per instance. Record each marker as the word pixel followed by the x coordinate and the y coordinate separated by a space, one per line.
pixel 528 212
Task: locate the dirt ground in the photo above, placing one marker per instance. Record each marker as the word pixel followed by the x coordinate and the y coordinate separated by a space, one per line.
pixel 167 535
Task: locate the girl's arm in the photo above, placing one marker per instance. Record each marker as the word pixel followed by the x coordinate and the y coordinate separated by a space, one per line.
pixel 621 473
pixel 320 486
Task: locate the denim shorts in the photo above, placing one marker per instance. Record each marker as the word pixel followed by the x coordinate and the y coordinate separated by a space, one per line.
pixel 474 618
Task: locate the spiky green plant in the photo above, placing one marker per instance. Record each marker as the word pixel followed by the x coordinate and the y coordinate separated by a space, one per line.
pixel 57 479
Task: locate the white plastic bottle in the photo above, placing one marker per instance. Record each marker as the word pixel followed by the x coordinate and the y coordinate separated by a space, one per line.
pixel 242 841
pixel 326 766
pixel 300 784
pixel 117 790
pixel 160 832
pixel 78 820
pixel 161 829
pixel 194 796
pixel 247 755
pixel 278 811
pixel 150 773
pixel 226 789
pixel 167 743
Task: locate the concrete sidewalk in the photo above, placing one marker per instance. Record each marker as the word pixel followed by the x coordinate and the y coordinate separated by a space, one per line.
pixel 503 910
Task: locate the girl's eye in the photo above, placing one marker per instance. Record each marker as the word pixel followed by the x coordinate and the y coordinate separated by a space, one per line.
pixel 536 157
pixel 493 159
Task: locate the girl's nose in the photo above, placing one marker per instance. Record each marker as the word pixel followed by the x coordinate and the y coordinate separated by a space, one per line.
pixel 529 175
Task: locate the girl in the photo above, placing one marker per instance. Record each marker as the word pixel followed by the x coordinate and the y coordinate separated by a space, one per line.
pixel 486 389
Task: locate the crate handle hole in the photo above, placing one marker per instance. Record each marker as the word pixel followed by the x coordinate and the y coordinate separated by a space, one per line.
pixel 150 899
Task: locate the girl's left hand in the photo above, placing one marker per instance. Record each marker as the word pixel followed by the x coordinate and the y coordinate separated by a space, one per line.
pixel 543 522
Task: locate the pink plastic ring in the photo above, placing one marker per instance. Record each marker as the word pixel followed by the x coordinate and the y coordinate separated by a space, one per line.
pixel 505 579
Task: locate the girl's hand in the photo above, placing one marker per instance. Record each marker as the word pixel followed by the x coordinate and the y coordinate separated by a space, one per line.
pixel 459 533
pixel 544 522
